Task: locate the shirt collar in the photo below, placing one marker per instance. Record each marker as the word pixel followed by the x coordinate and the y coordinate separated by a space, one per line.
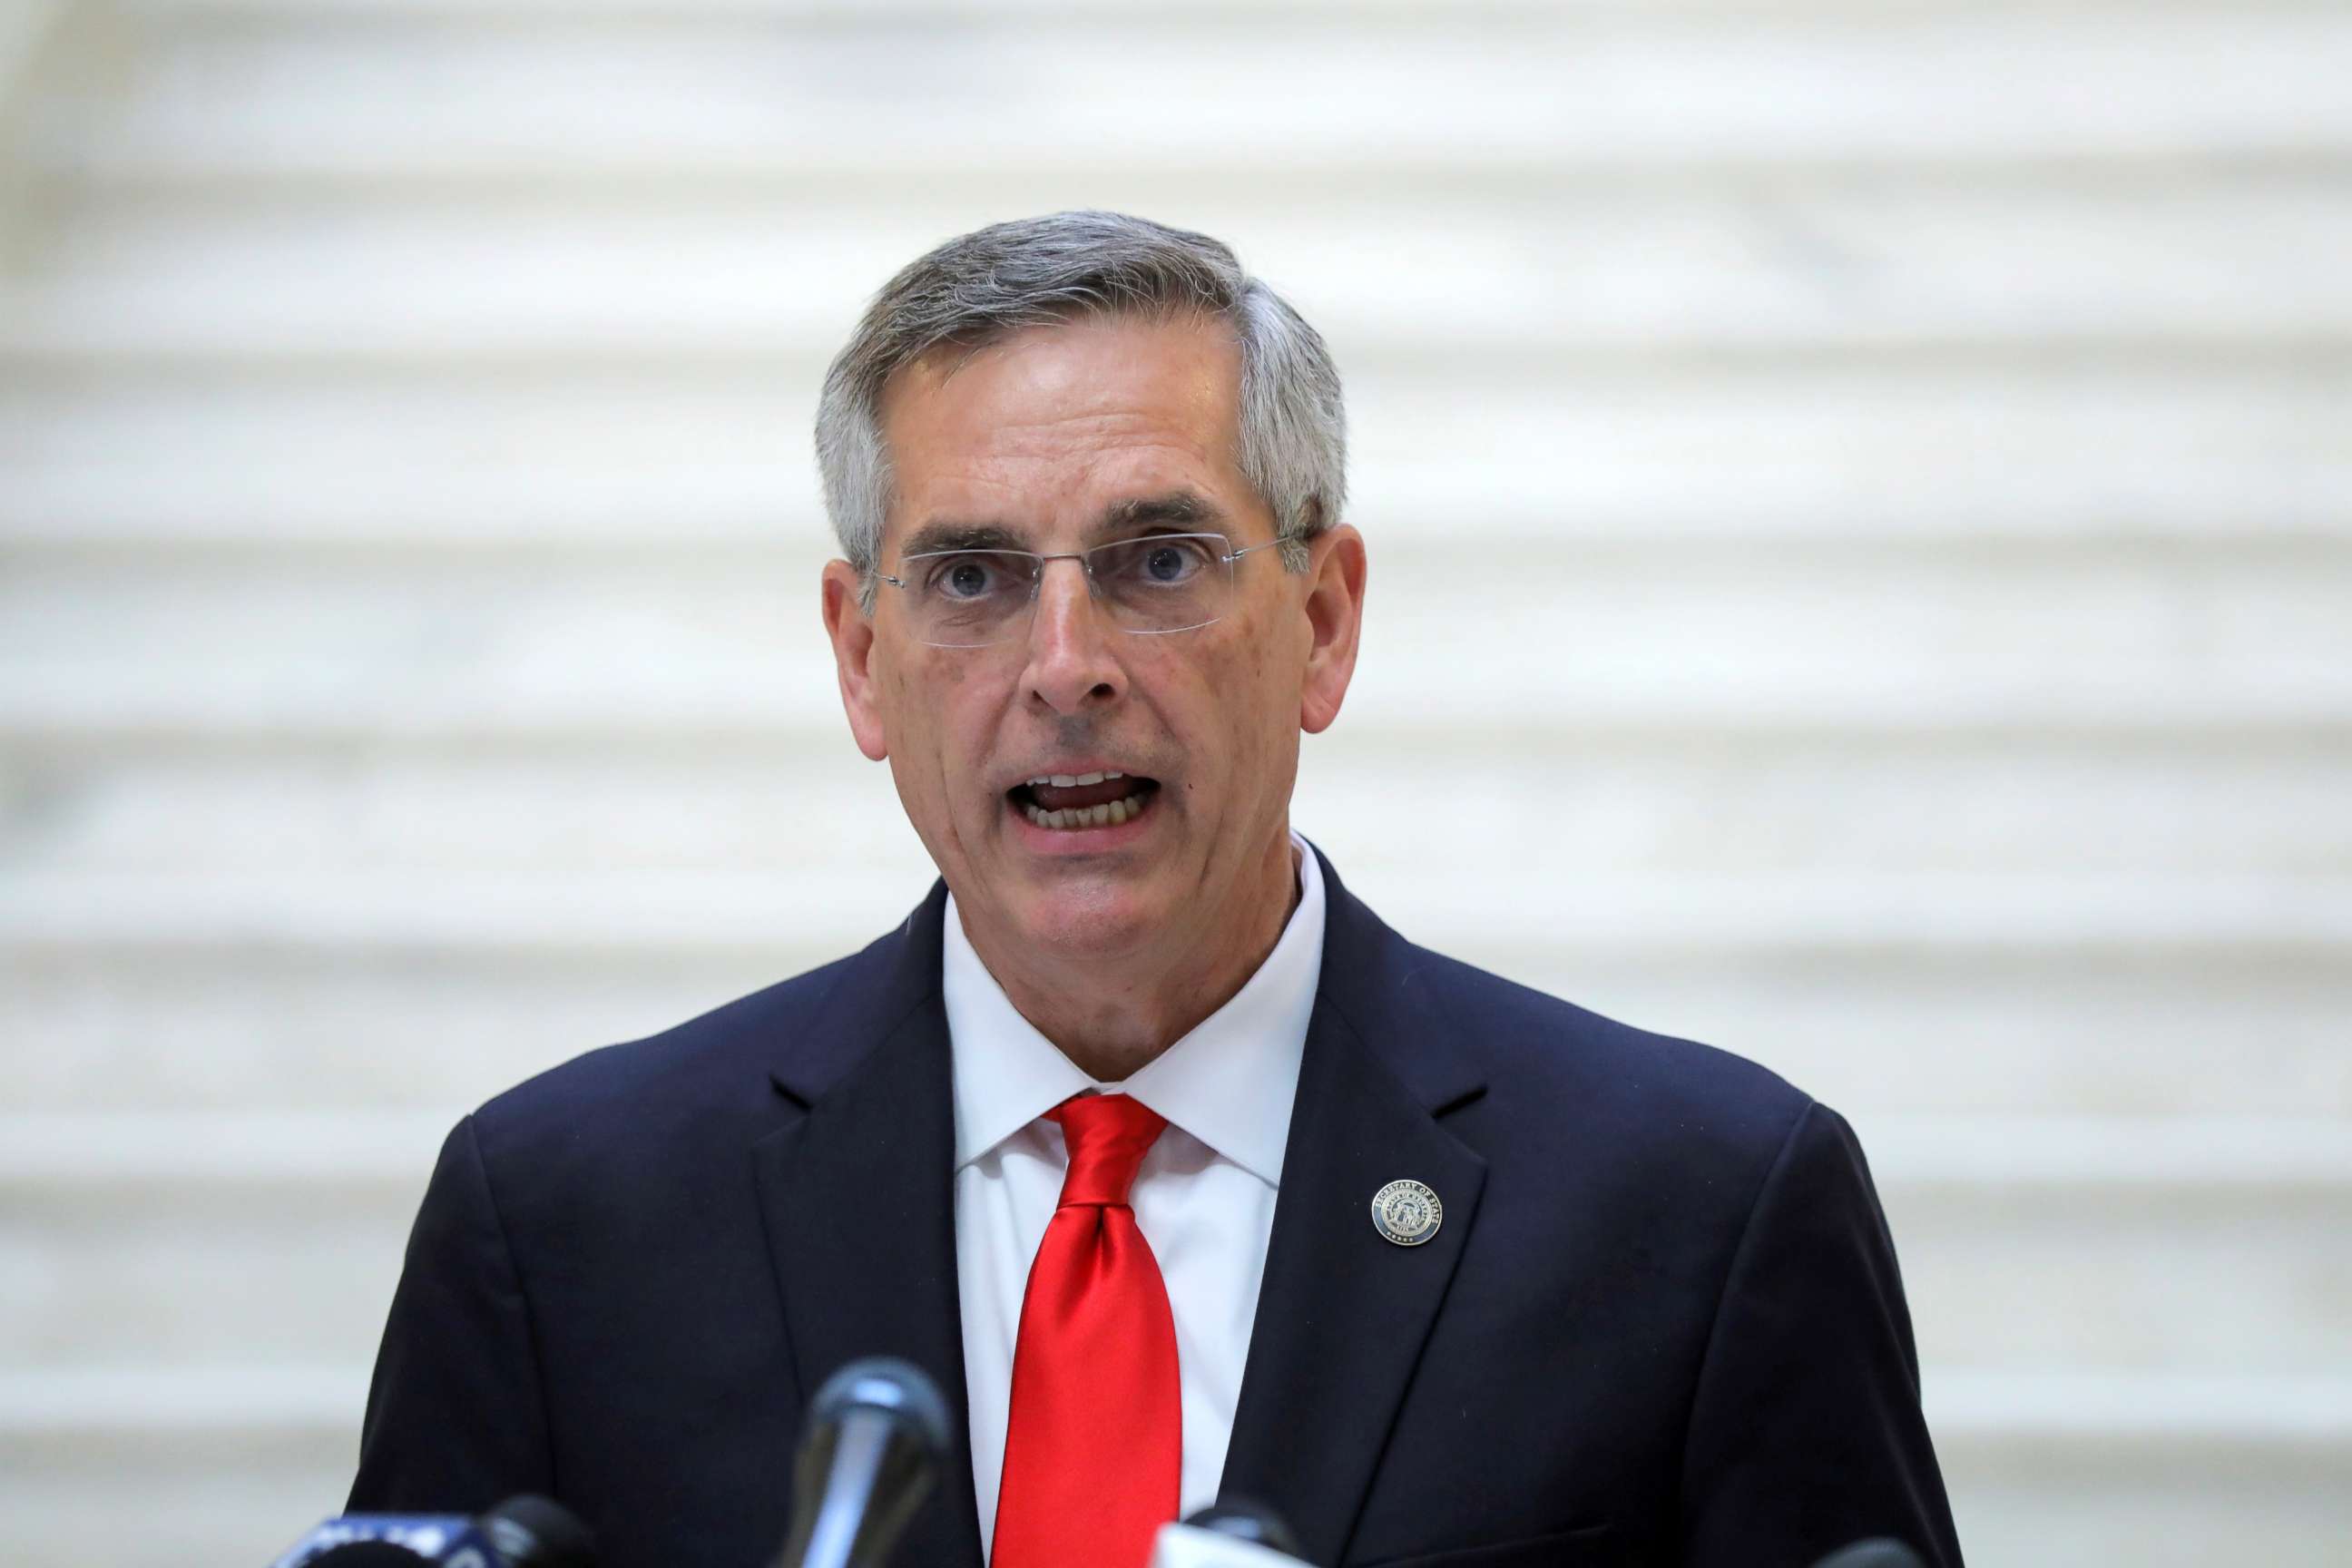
pixel 1007 1074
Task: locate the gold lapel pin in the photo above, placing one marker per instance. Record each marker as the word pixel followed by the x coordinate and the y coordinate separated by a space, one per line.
pixel 1406 1213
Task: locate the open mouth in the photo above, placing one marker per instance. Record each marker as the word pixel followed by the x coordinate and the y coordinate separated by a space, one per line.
pixel 1072 801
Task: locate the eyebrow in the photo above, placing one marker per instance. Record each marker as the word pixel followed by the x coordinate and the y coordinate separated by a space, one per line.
pixel 1182 509
pixel 1176 509
pixel 933 537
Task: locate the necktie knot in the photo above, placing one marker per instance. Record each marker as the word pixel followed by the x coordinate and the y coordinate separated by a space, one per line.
pixel 1107 1134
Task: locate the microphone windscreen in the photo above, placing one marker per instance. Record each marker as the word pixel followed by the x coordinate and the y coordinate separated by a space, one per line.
pixel 1246 1520
pixel 897 1388
pixel 534 1532
pixel 1188 1546
pixel 387 1540
pixel 1876 1553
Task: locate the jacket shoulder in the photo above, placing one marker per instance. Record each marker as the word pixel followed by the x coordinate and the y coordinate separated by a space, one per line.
pixel 1552 1063
pixel 762 1024
pixel 691 1089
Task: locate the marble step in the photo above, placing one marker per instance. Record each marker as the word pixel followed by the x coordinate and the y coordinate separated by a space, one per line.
pixel 667 460
pixel 393 93
pixel 1213 15
pixel 168 1465
pixel 2179 1472
pixel 197 1021
pixel 2214 1245
pixel 1590 866
pixel 718 911
pixel 2098 640
pixel 1540 810
pixel 2030 266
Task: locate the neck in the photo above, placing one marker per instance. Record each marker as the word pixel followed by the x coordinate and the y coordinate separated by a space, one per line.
pixel 1111 1017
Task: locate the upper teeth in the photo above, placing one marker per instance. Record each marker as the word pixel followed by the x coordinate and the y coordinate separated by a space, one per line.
pixel 1069 781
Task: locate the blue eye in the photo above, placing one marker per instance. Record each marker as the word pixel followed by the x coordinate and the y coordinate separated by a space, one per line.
pixel 1162 563
pixel 966 577
pixel 1170 564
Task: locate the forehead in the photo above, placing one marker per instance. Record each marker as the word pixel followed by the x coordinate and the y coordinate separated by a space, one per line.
pixel 1070 418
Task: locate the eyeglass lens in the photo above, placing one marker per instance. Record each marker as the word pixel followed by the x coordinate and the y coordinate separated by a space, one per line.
pixel 1158 582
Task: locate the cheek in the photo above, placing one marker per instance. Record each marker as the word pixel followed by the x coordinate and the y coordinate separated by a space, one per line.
pixel 1253 692
pixel 942 725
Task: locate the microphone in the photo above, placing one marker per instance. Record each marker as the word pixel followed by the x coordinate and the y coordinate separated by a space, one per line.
pixel 1878 1552
pixel 532 1532
pixel 877 1432
pixel 1235 1534
pixel 520 1532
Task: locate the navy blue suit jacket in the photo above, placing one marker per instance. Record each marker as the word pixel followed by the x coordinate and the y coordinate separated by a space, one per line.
pixel 1661 1321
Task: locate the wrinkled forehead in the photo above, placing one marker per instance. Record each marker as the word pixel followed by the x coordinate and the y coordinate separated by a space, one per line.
pixel 1033 428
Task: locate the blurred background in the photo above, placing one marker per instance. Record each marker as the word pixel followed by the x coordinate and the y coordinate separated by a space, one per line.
pixel 1860 502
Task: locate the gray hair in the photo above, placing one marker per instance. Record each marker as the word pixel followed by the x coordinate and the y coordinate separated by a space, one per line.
pixel 1033 271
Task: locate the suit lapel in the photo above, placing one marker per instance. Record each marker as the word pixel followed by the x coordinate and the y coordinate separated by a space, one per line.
pixel 1343 1314
pixel 858 1200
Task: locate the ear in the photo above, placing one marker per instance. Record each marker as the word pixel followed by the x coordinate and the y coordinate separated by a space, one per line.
pixel 851 631
pixel 1335 615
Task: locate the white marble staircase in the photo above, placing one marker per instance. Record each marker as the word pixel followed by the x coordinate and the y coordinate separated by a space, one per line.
pixel 1860 504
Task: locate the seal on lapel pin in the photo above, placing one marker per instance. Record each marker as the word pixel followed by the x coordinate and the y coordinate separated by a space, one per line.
pixel 1406 1213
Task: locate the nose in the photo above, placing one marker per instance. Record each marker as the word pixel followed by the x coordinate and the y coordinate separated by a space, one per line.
pixel 1073 665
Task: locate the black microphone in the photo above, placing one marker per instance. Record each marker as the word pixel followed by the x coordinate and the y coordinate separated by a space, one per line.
pixel 532 1532
pixel 877 1432
pixel 1231 1533
pixel 1876 1553
pixel 520 1532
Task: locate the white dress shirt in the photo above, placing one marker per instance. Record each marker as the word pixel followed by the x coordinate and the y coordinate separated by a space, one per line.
pixel 1204 1198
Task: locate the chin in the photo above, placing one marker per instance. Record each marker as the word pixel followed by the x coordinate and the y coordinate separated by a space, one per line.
pixel 1088 919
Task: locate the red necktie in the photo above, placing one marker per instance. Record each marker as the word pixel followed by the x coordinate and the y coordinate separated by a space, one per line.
pixel 1094 1442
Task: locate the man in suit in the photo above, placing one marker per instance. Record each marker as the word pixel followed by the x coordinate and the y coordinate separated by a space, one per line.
pixel 1181 1173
